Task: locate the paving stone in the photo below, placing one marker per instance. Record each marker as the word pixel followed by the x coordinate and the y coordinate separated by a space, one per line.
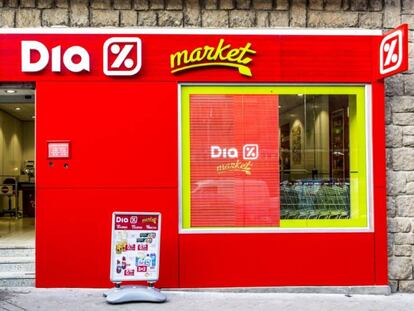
pixel 405 205
pixel 408 19
pixel 211 4
pixel 157 4
pixel 396 182
pixel 370 20
pixel 62 4
pixel 316 4
pixel 122 4
pixel 403 250
pixel 406 286
pixel 174 4
pixel 147 18
pixel 239 18
pixel 12 3
pixel 140 5
pixel 27 3
pixel 388 111
pixel 28 18
pixel 407 6
pixel 404 238
pixel 333 5
pixel 298 13
pixel 375 5
pixel 392 16
pixel 403 118
pixel 399 224
pixel 243 4
pixel 402 104
pixel 192 4
pixel 282 4
pixel 394 85
pixel 55 17
pixel 227 4
pixel 129 18
pixel 192 17
pixel 79 13
pixel 279 18
pixel 210 18
pixel 408 141
pixel 394 136
pixel 170 18
pixel 408 84
pixel 391 208
pixel 333 19
pixel 44 4
pixel 262 19
pixel 101 4
pixel 403 159
pixel 7 18
pixel 102 18
pixel 262 4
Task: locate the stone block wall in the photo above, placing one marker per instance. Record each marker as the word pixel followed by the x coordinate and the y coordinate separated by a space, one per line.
pixel 375 14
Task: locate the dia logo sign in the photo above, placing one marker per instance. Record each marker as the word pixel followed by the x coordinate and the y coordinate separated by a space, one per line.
pixel 250 152
pixel 121 57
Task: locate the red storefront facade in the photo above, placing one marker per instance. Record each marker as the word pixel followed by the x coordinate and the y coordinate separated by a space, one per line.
pixel 138 157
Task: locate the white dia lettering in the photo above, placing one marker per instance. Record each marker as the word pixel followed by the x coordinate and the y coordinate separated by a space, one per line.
pixel 218 152
pixel 28 65
pixel 120 219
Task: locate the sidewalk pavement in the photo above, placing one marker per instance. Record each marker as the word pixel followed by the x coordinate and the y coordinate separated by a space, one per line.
pixel 12 299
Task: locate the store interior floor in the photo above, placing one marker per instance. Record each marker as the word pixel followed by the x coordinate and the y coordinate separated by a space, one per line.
pixel 17 232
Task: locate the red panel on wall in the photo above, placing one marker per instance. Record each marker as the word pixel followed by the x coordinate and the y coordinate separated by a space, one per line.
pixel 73 228
pixel 234 160
pixel 124 157
pixel 120 134
pixel 276 260
pixel 277 58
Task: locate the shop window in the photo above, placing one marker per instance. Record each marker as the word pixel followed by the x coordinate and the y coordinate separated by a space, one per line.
pixel 273 158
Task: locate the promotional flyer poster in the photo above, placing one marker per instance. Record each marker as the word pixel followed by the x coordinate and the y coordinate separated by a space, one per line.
pixel 135 247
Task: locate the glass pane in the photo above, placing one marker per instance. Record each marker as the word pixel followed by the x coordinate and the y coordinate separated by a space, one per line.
pixel 314 164
pixel 274 156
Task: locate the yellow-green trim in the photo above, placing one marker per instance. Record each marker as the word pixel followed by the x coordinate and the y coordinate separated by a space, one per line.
pixel 357 148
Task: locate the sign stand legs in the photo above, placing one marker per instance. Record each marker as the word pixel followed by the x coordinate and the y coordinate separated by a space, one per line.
pixel 132 293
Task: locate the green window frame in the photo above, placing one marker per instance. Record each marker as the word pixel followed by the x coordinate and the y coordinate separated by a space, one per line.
pixel 359 201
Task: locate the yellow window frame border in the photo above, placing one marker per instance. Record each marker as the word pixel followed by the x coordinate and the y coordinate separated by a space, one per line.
pixel 357 145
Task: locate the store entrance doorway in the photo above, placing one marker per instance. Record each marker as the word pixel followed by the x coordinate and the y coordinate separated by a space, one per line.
pixel 17 184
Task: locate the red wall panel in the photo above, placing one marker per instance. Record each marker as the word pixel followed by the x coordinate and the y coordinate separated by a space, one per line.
pixel 123 158
pixel 277 59
pixel 123 132
pixel 73 233
pixel 276 260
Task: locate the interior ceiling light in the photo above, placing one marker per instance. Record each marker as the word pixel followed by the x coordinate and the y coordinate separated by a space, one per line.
pixel 18 108
pixel 10 91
